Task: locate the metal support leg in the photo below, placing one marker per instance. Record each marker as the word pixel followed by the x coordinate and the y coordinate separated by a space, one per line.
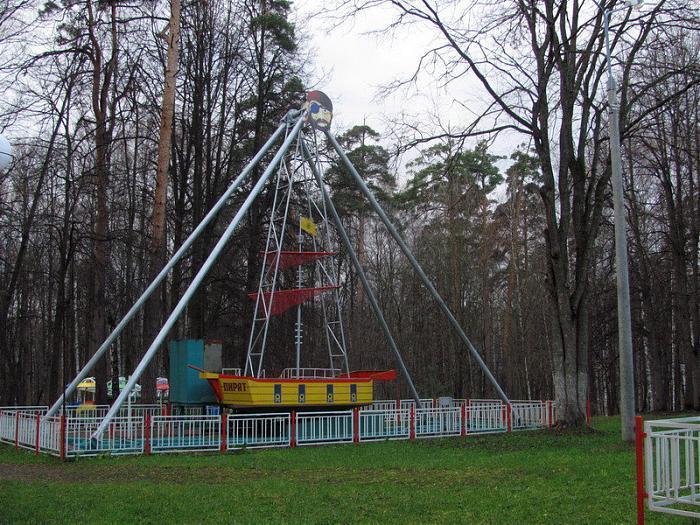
pixel 361 273
pixel 164 272
pixel 409 255
pixel 198 278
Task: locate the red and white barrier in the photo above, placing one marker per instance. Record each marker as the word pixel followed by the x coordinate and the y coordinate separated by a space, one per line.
pixel 147 431
pixel 668 466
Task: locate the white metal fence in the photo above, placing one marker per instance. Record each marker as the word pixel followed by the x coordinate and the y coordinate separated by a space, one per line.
pixel 23 428
pixel 486 417
pixel 528 414
pixel 50 435
pixel 384 424
pixel 672 465
pixel 145 430
pixel 316 428
pixel 27 409
pixel 258 430
pixel 124 435
pixel 435 422
pixel 309 373
pixel 185 433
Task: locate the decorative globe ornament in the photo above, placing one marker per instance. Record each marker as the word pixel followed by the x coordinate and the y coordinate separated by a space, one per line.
pixel 5 153
pixel 320 110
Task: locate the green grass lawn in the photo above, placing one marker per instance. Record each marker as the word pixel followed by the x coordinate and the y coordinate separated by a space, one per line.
pixel 518 478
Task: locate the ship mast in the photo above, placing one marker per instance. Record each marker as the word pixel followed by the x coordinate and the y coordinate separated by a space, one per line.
pixel 298 216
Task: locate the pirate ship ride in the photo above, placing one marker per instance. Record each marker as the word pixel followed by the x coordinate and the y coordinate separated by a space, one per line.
pixel 250 388
pixel 297 269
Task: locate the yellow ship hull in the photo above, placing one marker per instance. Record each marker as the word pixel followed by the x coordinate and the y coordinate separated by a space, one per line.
pixel 244 391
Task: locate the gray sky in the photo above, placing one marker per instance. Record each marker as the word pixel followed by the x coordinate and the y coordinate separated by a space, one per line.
pixel 357 64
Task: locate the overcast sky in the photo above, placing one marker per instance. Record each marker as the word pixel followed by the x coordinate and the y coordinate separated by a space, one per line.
pixel 357 64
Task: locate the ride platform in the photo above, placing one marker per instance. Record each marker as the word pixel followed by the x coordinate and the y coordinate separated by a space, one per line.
pixel 343 390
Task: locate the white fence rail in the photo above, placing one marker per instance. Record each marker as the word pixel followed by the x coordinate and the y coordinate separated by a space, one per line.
pixel 317 428
pixel 145 430
pixel 258 430
pixel 672 466
pixel 27 409
pixel 437 422
pixel 123 436
pixel 384 404
pixel 310 373
pixel 384 424
pixel 485 417
pixel 185 433
pixel 8 421
pixel 528 414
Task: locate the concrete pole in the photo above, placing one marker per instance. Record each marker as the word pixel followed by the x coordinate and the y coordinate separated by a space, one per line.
pixel 624 318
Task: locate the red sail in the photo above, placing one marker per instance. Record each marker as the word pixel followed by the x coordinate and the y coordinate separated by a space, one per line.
pixel 291 258
pixel 283 300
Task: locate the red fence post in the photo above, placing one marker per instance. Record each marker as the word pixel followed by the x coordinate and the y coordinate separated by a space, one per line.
pixel 62 432
pixel 412 431
pixel 17 431
pixel 355 425
pixel 588 412
pixel 147 435
pixel 463 429
pixel 293 429
pixel 641 494
pixel 224 432
pixel 38 433
pixel 509 417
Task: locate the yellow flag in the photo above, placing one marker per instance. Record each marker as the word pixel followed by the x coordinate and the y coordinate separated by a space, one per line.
pixel 308 226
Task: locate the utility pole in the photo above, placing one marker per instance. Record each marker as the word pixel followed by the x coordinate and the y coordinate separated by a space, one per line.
pixel 624 318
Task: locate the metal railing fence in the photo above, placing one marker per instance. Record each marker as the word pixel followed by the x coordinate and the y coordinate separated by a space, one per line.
pixel 8 420
pixel 26 430
pixel 384 424
pixel 437 422
pixel 258 430
pixel 317 428
pixel 184 433
pixel 50 435
pixel 42 409
pixel 309 373
pixel 124 435
pixel 528 414
pixel 485 418
pixel 147 431
pixel 671 456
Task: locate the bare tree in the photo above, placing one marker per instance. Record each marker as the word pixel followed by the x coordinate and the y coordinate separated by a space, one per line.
pixel 541 65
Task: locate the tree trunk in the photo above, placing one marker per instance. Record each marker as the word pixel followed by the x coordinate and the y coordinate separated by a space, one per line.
pixel 154 309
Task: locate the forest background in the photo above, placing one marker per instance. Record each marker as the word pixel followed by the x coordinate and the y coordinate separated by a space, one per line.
pixel 521 248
